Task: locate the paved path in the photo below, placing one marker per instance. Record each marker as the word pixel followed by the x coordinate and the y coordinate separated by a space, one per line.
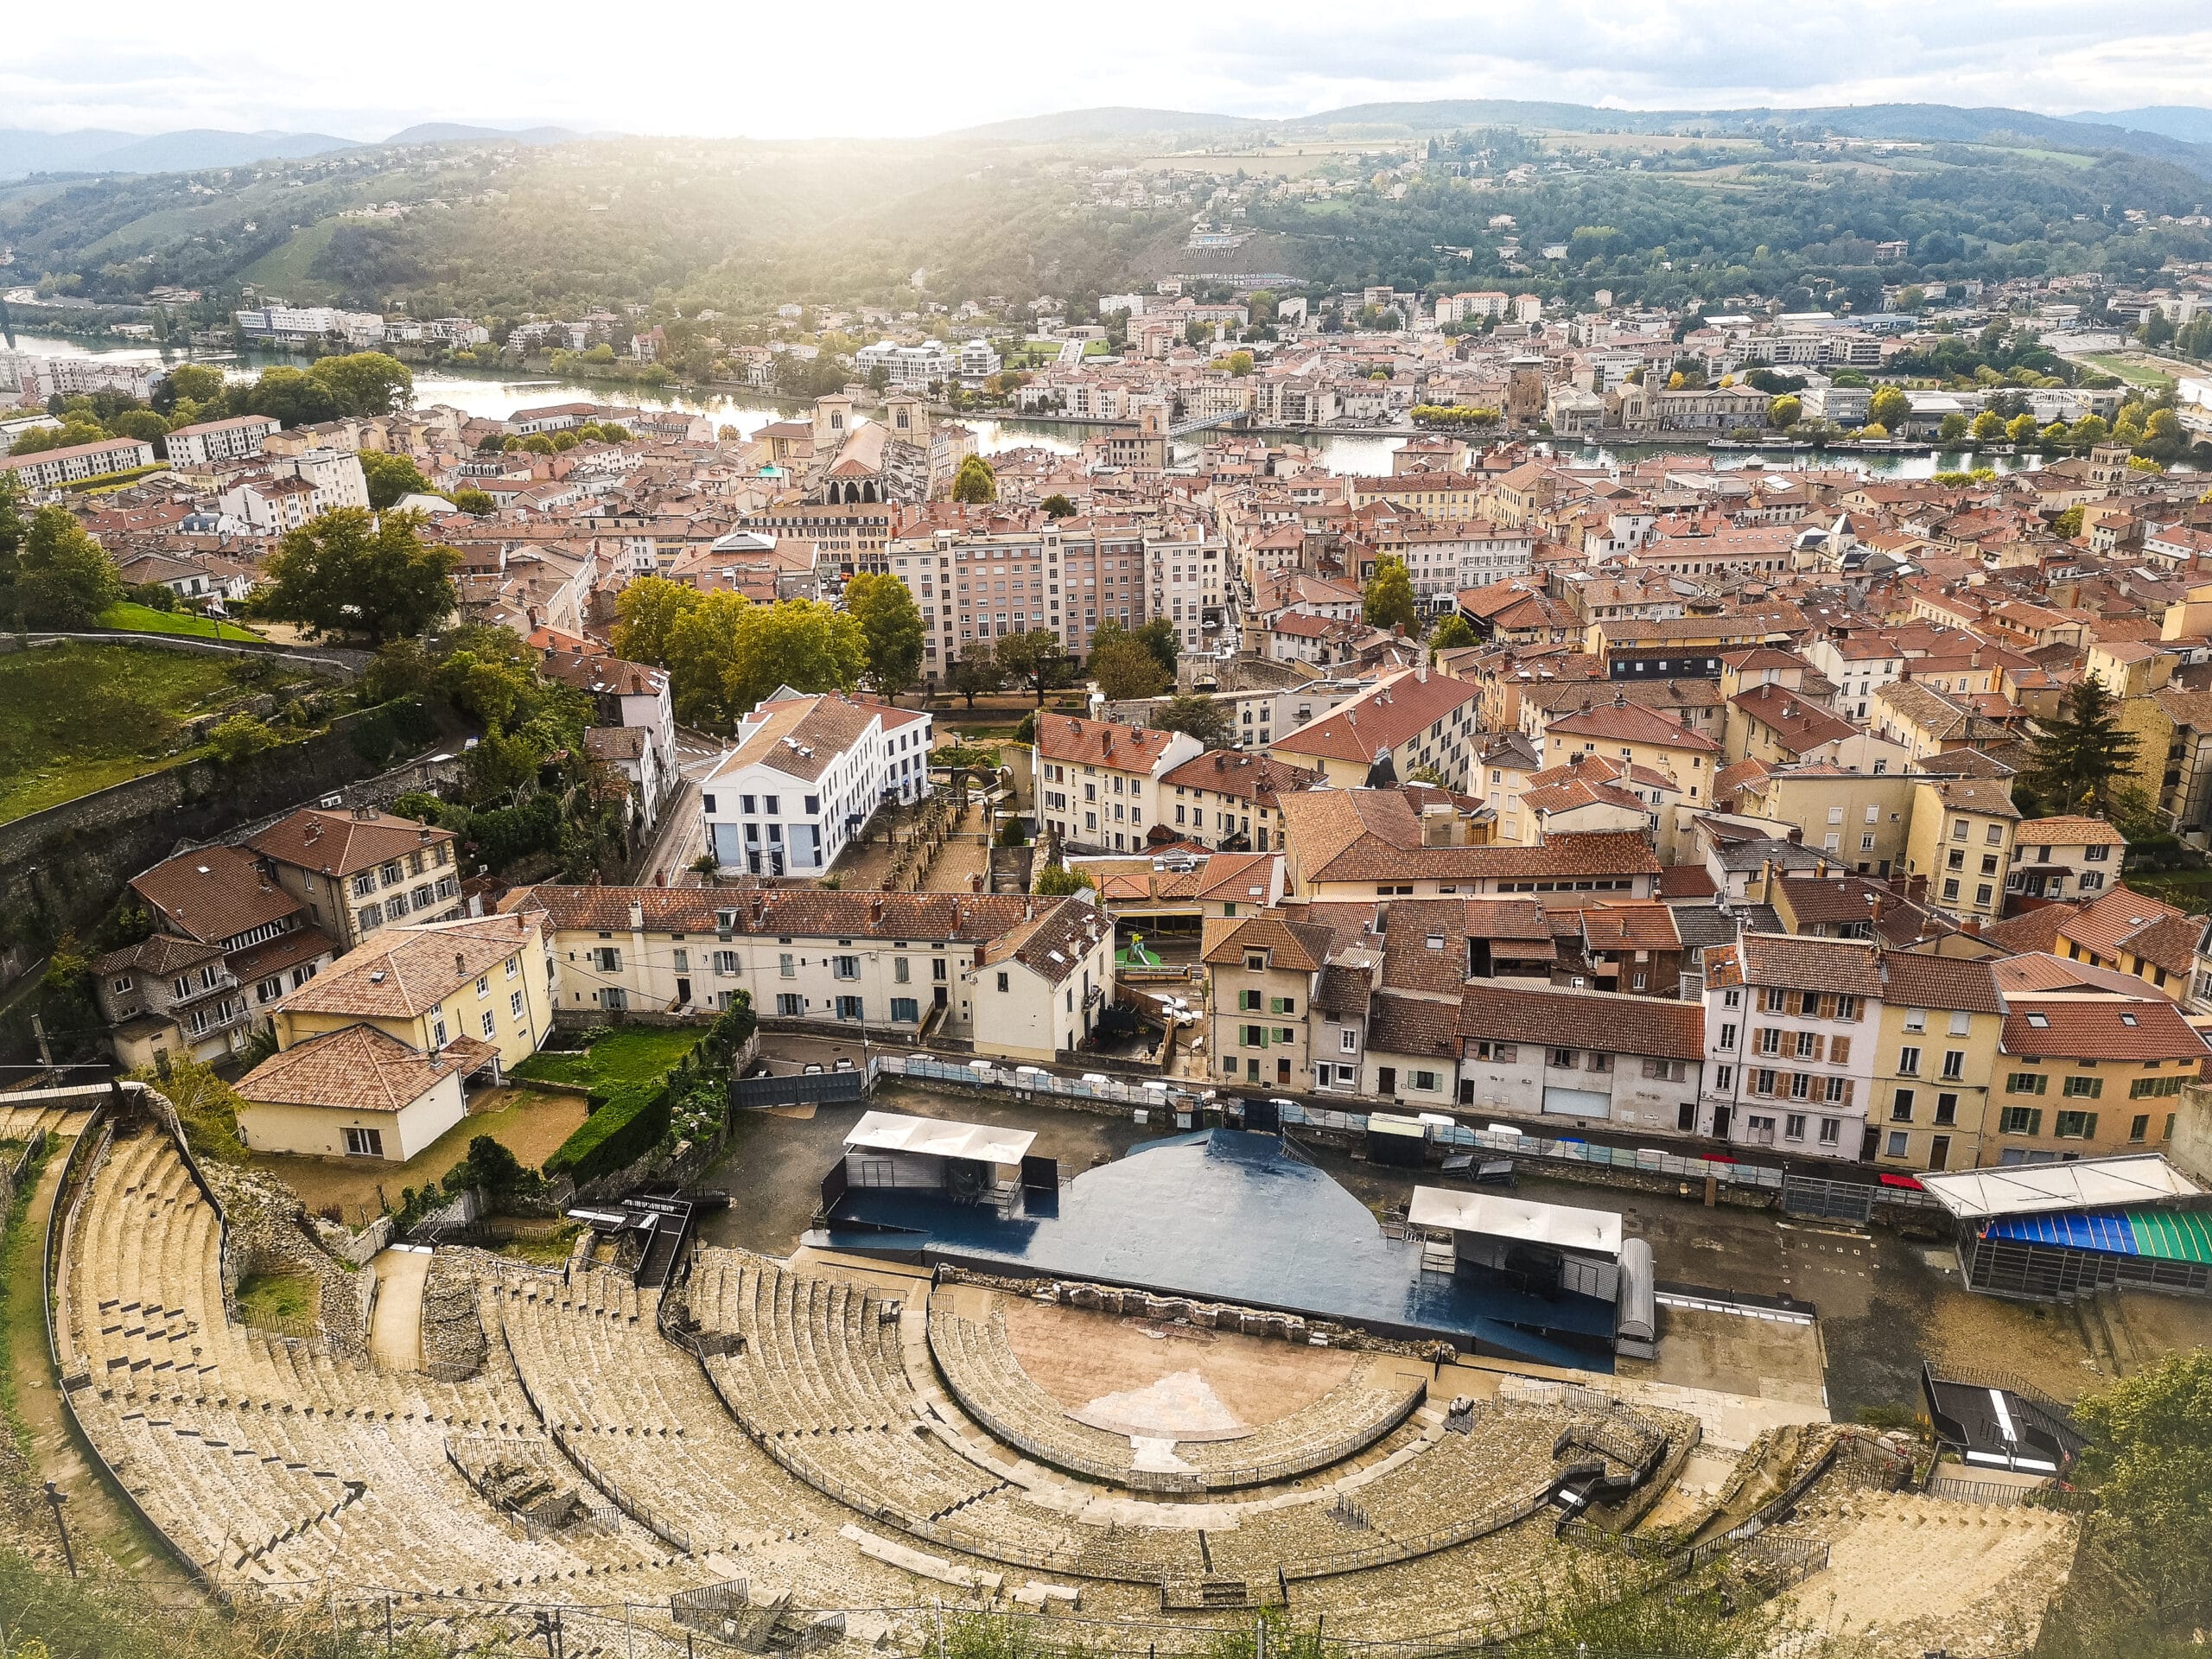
pixel 396 1327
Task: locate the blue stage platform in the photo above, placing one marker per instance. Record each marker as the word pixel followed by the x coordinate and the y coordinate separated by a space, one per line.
pixel 1231 1217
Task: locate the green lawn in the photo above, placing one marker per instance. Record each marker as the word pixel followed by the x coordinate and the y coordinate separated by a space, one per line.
pixel 2123 367
pixel 280 1295
pixel 128 618
pixel 80 716
pixel 2186 890
pixel 627 1062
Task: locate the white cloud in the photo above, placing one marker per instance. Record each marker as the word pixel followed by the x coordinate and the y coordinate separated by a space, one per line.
pixel 875 68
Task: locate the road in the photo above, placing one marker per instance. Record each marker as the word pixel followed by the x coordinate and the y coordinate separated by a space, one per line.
pixel 679 840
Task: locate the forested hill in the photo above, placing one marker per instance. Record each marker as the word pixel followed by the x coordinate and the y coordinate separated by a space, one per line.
pixel 1094 201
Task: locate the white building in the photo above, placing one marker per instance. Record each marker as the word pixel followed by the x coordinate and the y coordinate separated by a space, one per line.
pixel 46 377
pixel 239 438
pixel 1026 975
pixel 979 359
pixel 49 469
pixel 912 368
pixel 805 776
pixel 1791 1027
pixel 308 325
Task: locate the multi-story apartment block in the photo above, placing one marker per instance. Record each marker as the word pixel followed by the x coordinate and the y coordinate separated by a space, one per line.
pixel 362 870
pixel 1417 718
pixel 1935 1052
pixel 239 438
pixel 1789 1027
pixel 1099 787
pixel 1264 971
pixel 1962 840
pixel 805 776
pixel 1030 974
pixel 49 469
pixel 2084 1072
pixel 168 997
pixel 2065 859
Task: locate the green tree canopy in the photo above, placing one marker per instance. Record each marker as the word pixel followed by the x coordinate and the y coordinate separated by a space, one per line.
pixel 891 631
pixel 2076 757
pixel 391 477
pixel 53 574
pixel 1206 718
pixel 1388 600
pixel 975 481
pixel 725 654
pixel 1124 670
pixel 1989 427
pixel 976 672
pixel 1057 881
pixel 2149 1459
pixel 475 503
pixel 1889 408
pixel 1784 412
pixel 1037 655
pixel 365 382
pixel 1057 506
pixel 1453 634
pixel 347 572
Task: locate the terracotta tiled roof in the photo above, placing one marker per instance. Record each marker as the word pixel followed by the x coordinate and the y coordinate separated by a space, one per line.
pixel 1796 962
pixel 1343 990
pixel 275 956
pixel 1394 713
pixel 1622 721
pixel 1797 723
pixel 1649 926
pixel 1925 981
pixel 2035 971
pixel 1374 835
pixel 407 971
pixel 2067 832
pixel 1687 881
pixel 341 844
pixel 1298 947
pixel 215 894
pixel 2102 1029
pixel 160 956
pixel 2106 923
pixel 1412 1024
pixel 2169 942
pixel 801 912
pixel 1424 946
pixel 1256 778
pixel 800 737
pixel 1066 740
pixel 356 1069
pixel 1498 1011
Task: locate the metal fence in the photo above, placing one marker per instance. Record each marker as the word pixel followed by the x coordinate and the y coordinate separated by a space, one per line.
pixel 816 1088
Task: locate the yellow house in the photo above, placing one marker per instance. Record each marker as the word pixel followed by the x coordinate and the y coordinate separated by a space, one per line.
pixel 1622 730
pixel 1961 839
pixel 1859 818
pixel 483 983
pixel 2088 1076
pixel 1942 1022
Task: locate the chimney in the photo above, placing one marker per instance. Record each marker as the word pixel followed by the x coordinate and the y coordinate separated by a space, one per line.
pixel 637 917
pixel 365 813
pixel 423 835
pixel 1971 928
pixel 460 962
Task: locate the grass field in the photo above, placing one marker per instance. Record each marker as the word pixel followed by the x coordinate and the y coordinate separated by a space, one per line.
pixel 280 1295
pixel 128 618
pixel 628 1061
pixel 82 717
pixel 2125 367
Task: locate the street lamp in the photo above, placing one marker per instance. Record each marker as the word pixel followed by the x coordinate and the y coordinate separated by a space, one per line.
pixel 57 1497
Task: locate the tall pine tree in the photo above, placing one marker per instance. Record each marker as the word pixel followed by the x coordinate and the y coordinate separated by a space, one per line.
pixel 2078 755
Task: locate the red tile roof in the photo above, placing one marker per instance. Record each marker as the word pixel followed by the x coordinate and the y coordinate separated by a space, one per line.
pixel 2104 1028
pixel 1496 1010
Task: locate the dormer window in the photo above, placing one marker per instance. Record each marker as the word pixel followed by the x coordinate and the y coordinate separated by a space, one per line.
pixel 1256 961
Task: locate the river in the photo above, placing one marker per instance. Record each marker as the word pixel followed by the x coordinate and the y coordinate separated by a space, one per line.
pixel 494 395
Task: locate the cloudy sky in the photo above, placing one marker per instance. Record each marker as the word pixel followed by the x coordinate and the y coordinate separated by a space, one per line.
pixel 868 68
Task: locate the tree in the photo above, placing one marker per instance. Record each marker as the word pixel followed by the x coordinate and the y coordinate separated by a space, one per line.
pixel 53 574
pixel 391 477
pixel 1989 427
pixel 2087 432
pixel 975 482
pixel 2069 523
pixel 189 382
pixel 143 425
pixel 891 631
pixel 1388 600
pixel 1784 412
pixel 1057 881
pixel 1160 638
pixel 976 671
pixel 2076 756
pixel 2149 1459
pixel 1455 633
pixel 365 382
pixel 1238 363
pixel 71 432
pixel 347 571
pixel 287 395
pixel 1198 716
pixel 1952 427
pixel 1057 506
pixel 1889 408
pixel 2021 429
pixel 1037 655
pixel 1124 671
pixel 240 737
pixel 800 643
pixel 2163 437
pixel 475 503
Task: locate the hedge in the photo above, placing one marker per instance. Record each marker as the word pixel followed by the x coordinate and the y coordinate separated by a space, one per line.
pixel 616 1134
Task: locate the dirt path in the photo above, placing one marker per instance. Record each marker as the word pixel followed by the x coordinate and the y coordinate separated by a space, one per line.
pixel 96 1518
pixel 396 1327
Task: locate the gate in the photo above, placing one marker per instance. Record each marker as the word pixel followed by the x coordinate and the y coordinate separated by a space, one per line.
pixel 1808 1195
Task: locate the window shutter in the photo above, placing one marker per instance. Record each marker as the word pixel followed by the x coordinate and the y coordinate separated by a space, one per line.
pixel 1840 1051
pixel 1820 1043
pixel 1850 1089
pixel 1827 1007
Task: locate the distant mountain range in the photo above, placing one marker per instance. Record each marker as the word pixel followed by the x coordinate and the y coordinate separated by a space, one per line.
pixel 2173 120
pixel 2183 137
pixel 92 149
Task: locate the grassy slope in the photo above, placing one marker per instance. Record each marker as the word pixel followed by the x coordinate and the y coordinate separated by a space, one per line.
pixel 82 717
pixel 128 618
pixel 283 269
pixel 629 1060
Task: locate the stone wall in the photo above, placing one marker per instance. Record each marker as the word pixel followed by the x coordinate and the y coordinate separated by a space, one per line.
pixel 70 863
pixel 2191 1147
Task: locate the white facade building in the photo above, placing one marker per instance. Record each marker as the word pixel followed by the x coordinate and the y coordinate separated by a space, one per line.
pixel 807 774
